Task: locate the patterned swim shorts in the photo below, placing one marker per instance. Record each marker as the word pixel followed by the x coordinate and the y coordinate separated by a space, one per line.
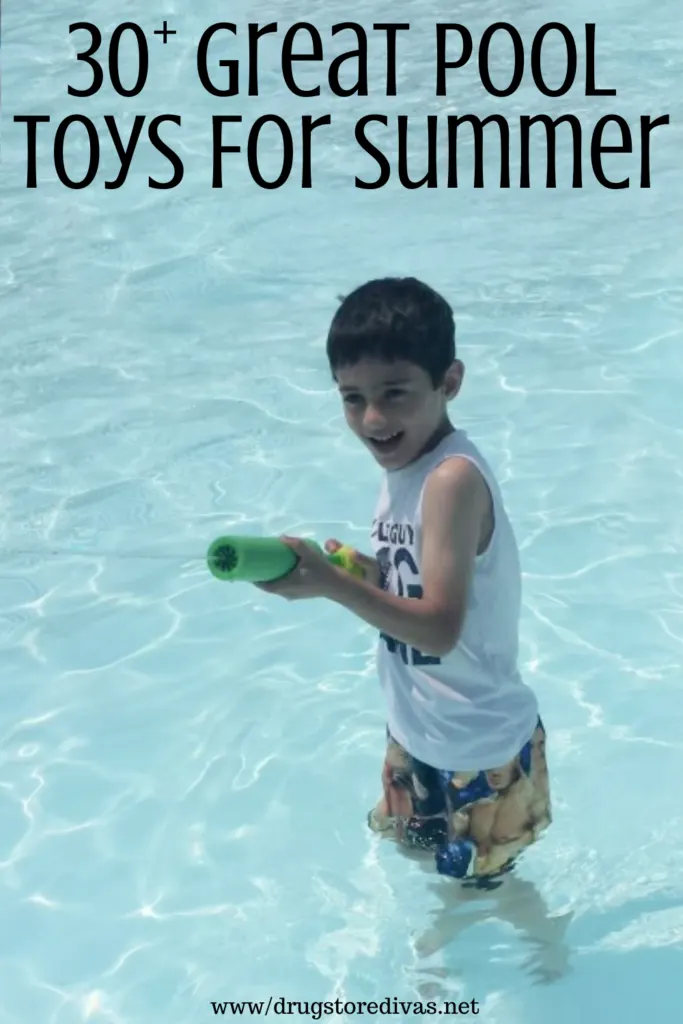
pixel 477 823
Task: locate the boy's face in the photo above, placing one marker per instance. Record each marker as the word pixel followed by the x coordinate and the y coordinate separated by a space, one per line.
pixel 394 407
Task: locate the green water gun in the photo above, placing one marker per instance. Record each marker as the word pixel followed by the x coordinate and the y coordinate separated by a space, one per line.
pixel 264 559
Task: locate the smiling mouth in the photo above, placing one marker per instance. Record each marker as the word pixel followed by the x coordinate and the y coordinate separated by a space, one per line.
pixel 386 444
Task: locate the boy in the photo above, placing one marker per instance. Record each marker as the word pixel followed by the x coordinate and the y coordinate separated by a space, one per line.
pixel 465 771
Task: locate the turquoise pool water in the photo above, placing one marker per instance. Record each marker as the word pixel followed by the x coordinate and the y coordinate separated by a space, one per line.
pixel 185 767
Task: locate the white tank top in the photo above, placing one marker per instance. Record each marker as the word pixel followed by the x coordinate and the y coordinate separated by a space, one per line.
pixel 469 710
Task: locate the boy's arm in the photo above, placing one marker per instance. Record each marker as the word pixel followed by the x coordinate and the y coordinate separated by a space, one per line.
pixel 455 506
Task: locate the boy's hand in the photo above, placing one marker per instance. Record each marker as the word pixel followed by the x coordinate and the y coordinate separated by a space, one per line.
pixel 313 575
pixel 369 565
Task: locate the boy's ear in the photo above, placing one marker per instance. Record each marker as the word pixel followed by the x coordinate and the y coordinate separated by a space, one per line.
pixel 453 379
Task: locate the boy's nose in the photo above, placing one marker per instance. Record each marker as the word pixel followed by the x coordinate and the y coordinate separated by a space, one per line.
pixel 373 419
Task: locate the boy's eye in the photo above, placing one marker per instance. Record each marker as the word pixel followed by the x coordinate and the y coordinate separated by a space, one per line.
pixel 391 395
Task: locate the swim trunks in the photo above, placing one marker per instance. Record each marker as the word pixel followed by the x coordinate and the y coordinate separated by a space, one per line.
pixel 477 823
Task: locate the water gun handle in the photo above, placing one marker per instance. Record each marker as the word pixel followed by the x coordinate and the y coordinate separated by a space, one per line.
pixel 345 558
pixel 264 559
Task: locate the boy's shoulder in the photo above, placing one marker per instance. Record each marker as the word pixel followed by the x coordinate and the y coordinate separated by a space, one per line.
pixel 456 481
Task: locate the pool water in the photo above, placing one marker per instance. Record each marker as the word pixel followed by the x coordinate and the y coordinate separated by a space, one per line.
pixel 186 766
